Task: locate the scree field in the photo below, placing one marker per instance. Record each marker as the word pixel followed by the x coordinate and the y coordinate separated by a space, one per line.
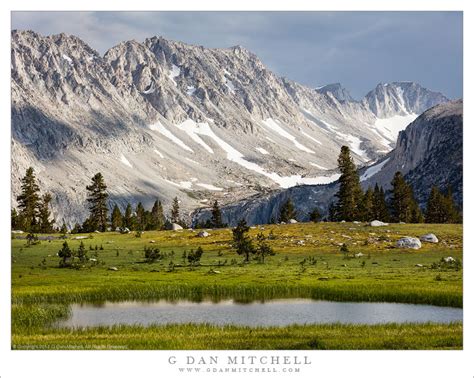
pixel 308 264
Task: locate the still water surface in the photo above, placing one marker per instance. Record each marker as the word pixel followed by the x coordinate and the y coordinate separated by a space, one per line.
pixel 269 313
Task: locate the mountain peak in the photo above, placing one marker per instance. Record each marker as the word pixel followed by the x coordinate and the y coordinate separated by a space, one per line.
pixel 337 90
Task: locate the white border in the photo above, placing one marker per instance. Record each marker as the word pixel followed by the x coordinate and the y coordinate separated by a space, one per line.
pixel 128 364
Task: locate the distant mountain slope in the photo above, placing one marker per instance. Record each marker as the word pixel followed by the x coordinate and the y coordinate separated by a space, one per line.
pixel 428 152
pixel 161 119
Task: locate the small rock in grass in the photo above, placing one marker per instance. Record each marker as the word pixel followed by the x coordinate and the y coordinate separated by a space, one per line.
pixel 360 254
pixel 419 265
pixel 323 278
pixel 152 241
pixel 429 238
pixel 293 221
pixel 203 234
pixel 449 259
pixel 113 268
pixel 409 242
pixel 377 223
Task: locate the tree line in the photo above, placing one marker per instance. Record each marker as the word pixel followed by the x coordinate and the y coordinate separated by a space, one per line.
pixel 34 214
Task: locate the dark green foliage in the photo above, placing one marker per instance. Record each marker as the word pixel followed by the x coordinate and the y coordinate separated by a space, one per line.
pixel 315 215
pixel 140 216
pixel 403 206
pixel 32 239
pixel 128 217
pixel 194 257
pixel 157 218
pixel 216 216
pixel 367 206
pixel 287 211
pixel 241 241
pixel 441 208
pixel 97 198
pixel 44 214
pixel 263 248
pixel 66 256
pixel 29 201
pixel 76 229
pixel 380 209
pixel 116 218
pixel 152 254
pixel 175 211
pixel 63 229
pixel 350 192
pixel 82 253
pixel 16 220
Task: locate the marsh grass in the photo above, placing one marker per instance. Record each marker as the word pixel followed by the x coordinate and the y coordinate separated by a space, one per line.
pixel 42 290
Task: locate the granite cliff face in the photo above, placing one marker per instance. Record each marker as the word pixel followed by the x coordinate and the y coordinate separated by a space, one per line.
pixel 161 119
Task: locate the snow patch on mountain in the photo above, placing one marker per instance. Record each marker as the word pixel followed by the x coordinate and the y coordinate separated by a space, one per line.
pixel 165 132
pixel 124 160
pixel 192 129
pixel 318 166
pixel 209 187
pixel 373 170
pixel 262 150
pixel 158 153
pixel 175 72
pixel 390 127
pixel 311 138
pixel 272 125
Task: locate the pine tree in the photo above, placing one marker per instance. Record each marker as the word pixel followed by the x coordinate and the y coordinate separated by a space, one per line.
pixel 350 192
pixel 157 216
pixel 263 248
pixel 29 200
pixel 44 215
pixel 315 215
pixel 216 216
pixel 367 205
pixel 16 221
pixel 241 241
pixel 403 206
pixel 441 208
pixel 287 211
pixel 175 211
pixel 380 209
pixel 116 218
pixel 140 217
pixel 97 199
pixel 128 217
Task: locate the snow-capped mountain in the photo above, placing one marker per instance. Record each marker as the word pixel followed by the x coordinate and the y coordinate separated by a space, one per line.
pixel 161 119
pixel 428 152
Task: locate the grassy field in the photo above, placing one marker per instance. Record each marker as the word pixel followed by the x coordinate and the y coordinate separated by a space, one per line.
pixel 308 264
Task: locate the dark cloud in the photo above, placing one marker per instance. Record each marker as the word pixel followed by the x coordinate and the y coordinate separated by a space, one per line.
pixel 358 49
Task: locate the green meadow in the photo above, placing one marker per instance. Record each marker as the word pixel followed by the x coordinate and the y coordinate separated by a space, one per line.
pixel 308 264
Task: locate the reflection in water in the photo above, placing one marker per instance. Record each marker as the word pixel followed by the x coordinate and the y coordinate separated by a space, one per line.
pixel 270 313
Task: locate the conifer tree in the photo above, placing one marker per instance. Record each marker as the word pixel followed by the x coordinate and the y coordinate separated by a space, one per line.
pixel 128 217
pixel 175 211
pixel 287 211
pixel 116 218
pixel 350 192
pixel 241 241
pixel 97 198
pixel 16 221
pixel 367 205
pixel 441 208
pixel 380 209
pixel 216 216
pixel 315 215
pixel 29 200
pixel 403 206
pixel 140 217
pixel 44 215
pixel 157 216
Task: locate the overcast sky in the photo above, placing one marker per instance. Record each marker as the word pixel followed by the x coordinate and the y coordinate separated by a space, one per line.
pixel 357 49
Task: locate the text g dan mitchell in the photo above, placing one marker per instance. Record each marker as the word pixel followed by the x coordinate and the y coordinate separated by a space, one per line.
pixel 239 360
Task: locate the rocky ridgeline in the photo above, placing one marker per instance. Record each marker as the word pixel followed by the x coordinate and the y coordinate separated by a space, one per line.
pixel 161 119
